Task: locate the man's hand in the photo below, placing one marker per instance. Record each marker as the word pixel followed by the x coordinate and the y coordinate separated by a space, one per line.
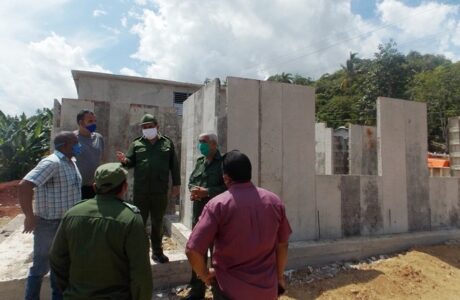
pixel 198 193
pixel 175 191
pixel 281 284
pixel 121 157
pixel 29 224
pixel 208 278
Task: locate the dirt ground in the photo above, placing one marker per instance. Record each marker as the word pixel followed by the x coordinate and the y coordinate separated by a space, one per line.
pixel 9 206
pixel 422 273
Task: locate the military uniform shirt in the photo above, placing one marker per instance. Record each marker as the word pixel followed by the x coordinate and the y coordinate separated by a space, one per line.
pixel 152 164
pixel 101 251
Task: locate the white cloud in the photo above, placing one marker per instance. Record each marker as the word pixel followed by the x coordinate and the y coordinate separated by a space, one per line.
pixel 140 2
pixel 99 12
pixel 129 72
pixel 253 39
pixel 124 21
pixel 34 74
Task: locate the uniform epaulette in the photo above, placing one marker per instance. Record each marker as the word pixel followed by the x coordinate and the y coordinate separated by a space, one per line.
pixel 132 207
pixel 138 138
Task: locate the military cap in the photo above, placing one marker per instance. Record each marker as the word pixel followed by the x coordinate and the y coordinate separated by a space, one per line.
pixel 148 118
pixel 109 176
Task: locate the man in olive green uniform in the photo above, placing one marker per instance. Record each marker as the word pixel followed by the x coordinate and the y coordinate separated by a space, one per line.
pixel 101 250
pixel 206 181
pixel 153 158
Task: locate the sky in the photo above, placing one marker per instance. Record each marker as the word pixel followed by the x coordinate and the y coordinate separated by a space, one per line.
pixel 191 40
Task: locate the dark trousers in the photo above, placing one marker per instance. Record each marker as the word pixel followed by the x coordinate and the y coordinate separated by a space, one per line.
pixel 87 192
pixel 198 287
pixel 217 293
pixel 155 206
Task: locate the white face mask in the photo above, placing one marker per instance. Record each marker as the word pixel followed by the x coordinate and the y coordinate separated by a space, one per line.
pixel 150 133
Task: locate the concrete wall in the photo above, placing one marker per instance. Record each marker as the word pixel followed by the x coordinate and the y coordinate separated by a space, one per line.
pixel 119 124
pixel 323 148
pixel 128 89
pixel 362 150
pixel 201 113
pixel 273 123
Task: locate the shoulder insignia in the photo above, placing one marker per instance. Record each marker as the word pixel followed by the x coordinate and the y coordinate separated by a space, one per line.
pixel 132 207
pixel 137 138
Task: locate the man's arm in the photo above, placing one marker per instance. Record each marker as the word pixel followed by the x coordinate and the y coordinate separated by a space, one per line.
pixel 137 249
pixel 128 160
pixel 59 257
pixel 26 193
pixel 198 264
pixel 281 260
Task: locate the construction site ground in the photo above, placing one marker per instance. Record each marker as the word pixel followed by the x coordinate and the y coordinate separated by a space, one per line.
pixel 421 273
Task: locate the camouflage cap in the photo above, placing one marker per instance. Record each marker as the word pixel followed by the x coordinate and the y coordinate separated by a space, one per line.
pixel 148 118
pixel 109 176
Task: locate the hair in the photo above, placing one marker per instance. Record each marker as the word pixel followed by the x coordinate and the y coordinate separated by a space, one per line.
pixel 237 166
pixel 114 191
pixel 63 138
pixel 210 135
pixel 81 115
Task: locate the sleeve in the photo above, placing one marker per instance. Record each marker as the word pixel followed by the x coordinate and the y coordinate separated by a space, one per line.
pixel 204 232
pixel 284 230
pixel 174 166
pixel 59 257
pixel 130 157
pixel 137 249
pixel 219 188
pixel 43 172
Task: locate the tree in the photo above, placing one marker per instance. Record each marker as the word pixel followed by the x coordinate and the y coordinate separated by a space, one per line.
pixel 283 77
pixel 23 142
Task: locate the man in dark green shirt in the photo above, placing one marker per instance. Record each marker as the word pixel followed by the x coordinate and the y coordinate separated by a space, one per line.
pixel 205 182
pixel 101 249
pixel 153 158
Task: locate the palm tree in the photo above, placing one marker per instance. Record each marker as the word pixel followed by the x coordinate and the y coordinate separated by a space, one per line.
pixel 349 71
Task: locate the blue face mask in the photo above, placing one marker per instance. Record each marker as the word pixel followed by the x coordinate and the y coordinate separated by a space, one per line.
pixel 76 149
pixel 91 128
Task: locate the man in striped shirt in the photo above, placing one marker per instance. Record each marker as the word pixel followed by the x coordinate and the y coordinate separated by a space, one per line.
pixel 56 181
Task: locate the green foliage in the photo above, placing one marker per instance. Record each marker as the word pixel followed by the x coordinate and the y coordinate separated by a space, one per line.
pixel 23 142
pixel 349 95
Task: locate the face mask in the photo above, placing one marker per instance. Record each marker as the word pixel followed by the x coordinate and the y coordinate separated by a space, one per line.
pixel 76 149
pixel 150 133
pixel 204 149
pixel 91 128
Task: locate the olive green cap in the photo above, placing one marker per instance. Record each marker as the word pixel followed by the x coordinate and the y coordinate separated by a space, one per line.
pixel 148 118
pixel 109 176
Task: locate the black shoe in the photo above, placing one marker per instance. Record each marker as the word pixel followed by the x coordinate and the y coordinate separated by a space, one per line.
pixel 160 258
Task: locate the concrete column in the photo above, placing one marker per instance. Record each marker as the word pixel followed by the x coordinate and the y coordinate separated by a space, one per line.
pixel 362 150
pixel 391 136
pixel 243 120
pixel 299 160
pixel 271 137
pixel 418 203
pixel 187 158
pixel 323 148
pixel 371 205
pixel 329 205
pixel 351 206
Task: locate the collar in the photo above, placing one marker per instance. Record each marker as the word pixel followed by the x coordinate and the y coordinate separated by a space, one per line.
pixel 217 156
pixel 242 185
pixel 107 197
pixel 59 154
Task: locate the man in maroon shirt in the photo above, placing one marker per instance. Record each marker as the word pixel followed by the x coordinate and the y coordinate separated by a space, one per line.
pixel 250 232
